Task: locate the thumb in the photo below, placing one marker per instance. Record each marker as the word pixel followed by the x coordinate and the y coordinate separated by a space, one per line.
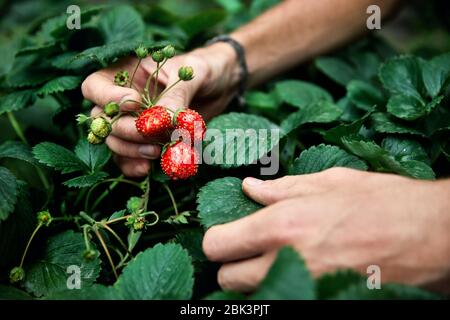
pixel 270 191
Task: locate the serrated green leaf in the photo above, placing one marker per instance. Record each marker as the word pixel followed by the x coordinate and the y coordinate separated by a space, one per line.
pixel 402 76
pixel 406 107
pixel 16 101
pixel 121 23
pixel 384 123
pixel 222 200
pixel 12 293
pixel 17 150
pixel 58 157
pixel 435 74
pixel 191 240
pixel 94 156
pixel 8 193
pixel 29 70
pixel 364 95
pixel 287 279
pixel 60 84
pixel 48 273
pixel 262 101
pixel 334 135
pixel 86 180
pixel 202 21
pixel 44 49
pixel 322 157
pixel 321 112
pixel 337 69
pixel 117 214
pixel 301 94
pixel 237 139
pixel 366 63
pixel 405 149
pixel 390 291
pixel 330 284
pixel 162 272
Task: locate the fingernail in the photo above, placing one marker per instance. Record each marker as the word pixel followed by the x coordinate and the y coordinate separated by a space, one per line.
pixel 149 151
pixel 253 181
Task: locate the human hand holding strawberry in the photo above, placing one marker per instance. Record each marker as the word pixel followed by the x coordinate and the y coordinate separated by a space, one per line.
pixel 209 91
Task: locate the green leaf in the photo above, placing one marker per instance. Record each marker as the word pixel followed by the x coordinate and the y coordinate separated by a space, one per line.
pixel 322 157
pixel 322 112
pixel 262 101
pixel 17 150
pixel 337 69
pixel 301 94
pixel 222 200
pixel 58 157
pixel 162 272
pixel 121 23
pixel 117 214
pixel 48 273
pixel 191 240
pixel 225 295
pixel 201 22
pixel 16 101
pixel 239 139
pixel 402 76
pixel 435 74
pixel 334 135
pixel 364 95
pixel 329 285
pixel 86 180
pixel 390 291
pixel 94 156
pixel 406 107
pixel 405 149
pixel 384 123
pixel 60 84
pixel 12 293
pixel 288 279
pixel 8 193
pixel 29 71
pixel 366 63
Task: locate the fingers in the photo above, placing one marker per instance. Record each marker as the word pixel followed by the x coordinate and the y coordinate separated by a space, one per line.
pixel 252 235
pixel 131 167
pixel 245 276
pixel 100 89
pixel 133 150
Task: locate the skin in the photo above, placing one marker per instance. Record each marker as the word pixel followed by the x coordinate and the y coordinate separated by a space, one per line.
pixel 339 218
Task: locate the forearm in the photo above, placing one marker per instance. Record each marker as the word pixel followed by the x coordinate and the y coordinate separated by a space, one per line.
pixel 297 30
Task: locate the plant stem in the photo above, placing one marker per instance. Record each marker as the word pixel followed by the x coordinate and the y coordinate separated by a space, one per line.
pixel 28 244
pixel 86 237
pixel 149 79
pixel 155 90
pixel 18 129
pixel 87 217
pixel 174 204
pixel 167 89
pixel 105 248
pixel 134 72
pixel 116 236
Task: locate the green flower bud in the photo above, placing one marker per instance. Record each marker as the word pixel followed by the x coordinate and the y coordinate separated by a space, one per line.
pixel 101 127
pixel 121 78
pixel 168 52
pixel 141 52
pixel 93 139
pixel 186 73
pixel 134 204
pixel 158 56
pixel 44 217
pixel 17 274
pixel 111 109
pixel 89 255
pixel 137 223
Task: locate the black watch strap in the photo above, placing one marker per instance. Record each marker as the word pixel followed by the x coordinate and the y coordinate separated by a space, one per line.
pixel 240 52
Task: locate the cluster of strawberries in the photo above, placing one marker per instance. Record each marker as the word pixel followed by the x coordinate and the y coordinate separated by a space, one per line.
pixel 179 158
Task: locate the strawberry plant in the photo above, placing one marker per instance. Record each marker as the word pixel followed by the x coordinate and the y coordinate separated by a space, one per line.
pixel 66 209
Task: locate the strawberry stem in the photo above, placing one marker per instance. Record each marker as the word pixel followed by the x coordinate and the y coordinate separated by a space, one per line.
pixel 134 72
pixel 174 204
pixel 29 243
pixel 166 90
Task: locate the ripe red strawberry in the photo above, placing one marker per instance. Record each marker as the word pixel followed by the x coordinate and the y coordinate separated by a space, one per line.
pixel 191 121
pixel 179 161
pixel 154 121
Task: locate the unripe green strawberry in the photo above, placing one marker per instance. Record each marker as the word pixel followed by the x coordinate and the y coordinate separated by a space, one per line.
pixel 101 127
pixel 158 56
pixel 93 139
pixel 44 218
pixel 186 73
pixel 137 223
pixel 134 204
pixel 141 52
pixel 89 255
pixel 121 78
pixel 17 274
pixel 111 109
pixel 168 52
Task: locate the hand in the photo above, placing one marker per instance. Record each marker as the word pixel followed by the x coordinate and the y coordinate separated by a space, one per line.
pixel 338 219
pixel 215 78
